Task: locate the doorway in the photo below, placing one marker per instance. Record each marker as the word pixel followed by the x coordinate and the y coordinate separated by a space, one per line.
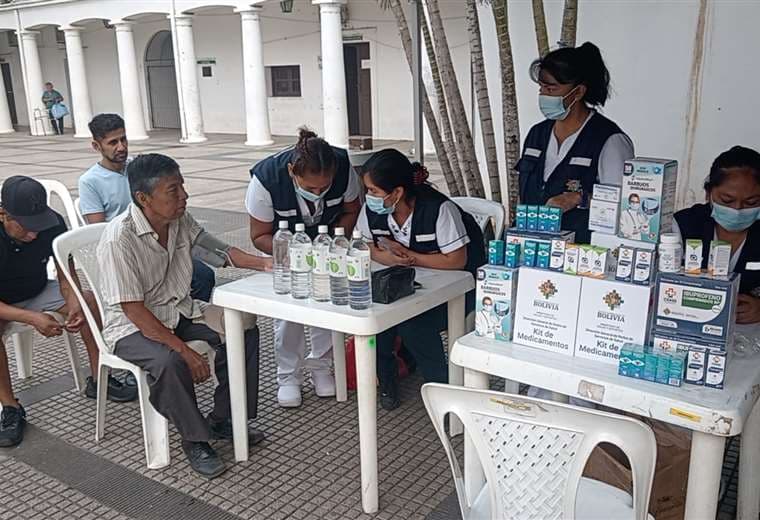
pixel 358 88
pixel 5 69
pixel 162 81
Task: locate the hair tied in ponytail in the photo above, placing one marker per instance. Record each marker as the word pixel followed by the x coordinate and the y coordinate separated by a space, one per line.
pixel 420 174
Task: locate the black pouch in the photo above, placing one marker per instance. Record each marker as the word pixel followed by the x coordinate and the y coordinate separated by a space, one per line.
pixel 393 283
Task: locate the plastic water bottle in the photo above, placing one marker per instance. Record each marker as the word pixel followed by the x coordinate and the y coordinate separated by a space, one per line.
pixel 359 273
pixel 281 260
pixel 338 280
pixel 320 274
pixel 300 264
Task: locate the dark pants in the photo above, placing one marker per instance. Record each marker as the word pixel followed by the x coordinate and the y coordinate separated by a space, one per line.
pixel 203 281
pixel 172 392
pixel 57 123
pixel 421 337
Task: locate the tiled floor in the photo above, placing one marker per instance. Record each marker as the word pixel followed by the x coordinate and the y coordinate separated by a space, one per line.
pixel 307 468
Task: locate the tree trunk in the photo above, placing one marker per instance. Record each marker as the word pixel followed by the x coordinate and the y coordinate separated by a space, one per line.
pixel 469 161
pixel 539 21
pixel 484 103
pixel 443 111
pixel 569 22
pixel 509 102
pixel 452 182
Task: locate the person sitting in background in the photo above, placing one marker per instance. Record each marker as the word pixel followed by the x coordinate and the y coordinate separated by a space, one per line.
pixel 49 98
pixel 27 230
pixel 732 214
pixel 150 315
pixel 104 189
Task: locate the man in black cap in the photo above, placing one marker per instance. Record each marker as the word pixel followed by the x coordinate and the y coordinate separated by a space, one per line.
pixel 27 229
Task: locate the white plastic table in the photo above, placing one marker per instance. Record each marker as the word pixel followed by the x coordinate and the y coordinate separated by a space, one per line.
pixel 711 414
pixel 255 295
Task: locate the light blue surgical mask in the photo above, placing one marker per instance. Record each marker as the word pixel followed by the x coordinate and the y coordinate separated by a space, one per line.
pixel 377 205
pixel 553 107
pixel 309 196
pixel 732 219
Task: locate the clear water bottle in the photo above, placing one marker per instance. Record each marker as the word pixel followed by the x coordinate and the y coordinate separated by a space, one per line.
pixel 300 264
pixel 281 258
pixel 359 273
pixel 320 274
pixel 338 280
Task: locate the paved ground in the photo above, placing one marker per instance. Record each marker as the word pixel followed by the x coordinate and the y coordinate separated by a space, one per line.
pixel 307 469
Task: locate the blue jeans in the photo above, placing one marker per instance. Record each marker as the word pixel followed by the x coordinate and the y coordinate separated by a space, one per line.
pixel 203 281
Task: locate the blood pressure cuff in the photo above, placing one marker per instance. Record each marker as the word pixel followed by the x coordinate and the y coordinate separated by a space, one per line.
pixel 393 283
pixel 210 250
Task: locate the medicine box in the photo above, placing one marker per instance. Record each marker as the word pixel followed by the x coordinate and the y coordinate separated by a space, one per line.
pixel 555 220
pixel 495 291
pixel 624 268
pixel 643 267
pixel 606 193
pixel 603 216
pixel 543 219
pixel 543 254
pixel 547 310
pixel 599 265
pixel 696 362
pixel 572 253
pixel 530 251
pixel 557 256
pixel 647 198
pixel 613 314
pixel 521 220
pixel 515 236
pixel 652 364
pixel 715 371
pixel 586 256
pixel 720 258
pixel 697 306
pixel 496 252
pixel 512 256
pixel 693 256
pixel 672 343
pixel 532 218
pixel 631 360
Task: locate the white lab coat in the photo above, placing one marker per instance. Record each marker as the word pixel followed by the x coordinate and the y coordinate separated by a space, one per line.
pixel 486 323
pixel 633 224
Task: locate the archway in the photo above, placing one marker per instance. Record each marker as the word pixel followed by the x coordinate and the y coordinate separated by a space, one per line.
pixel 162 81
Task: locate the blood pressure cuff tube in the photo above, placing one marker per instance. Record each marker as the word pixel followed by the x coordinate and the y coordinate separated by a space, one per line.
pixel 210 250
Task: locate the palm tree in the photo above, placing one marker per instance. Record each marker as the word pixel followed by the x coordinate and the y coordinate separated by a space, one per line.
pixel 484 103
pixel 539 22
pixel 569 22
pixel 464 142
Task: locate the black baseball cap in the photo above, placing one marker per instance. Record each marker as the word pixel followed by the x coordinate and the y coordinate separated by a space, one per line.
pixel 25 200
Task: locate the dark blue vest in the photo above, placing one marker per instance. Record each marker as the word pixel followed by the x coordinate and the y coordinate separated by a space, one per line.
pixel 581 175
pixel 696 223
pixel 272 173
pixel 424 219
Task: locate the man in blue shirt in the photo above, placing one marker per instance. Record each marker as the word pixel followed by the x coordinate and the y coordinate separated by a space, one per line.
pixel 104 188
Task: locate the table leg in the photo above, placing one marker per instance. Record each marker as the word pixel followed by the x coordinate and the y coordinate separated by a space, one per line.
pixel 233 323
pixel 366 389
pixel 748 505
pixel 456 373
pixel 339 363
pixel 474 477
pixel 706 464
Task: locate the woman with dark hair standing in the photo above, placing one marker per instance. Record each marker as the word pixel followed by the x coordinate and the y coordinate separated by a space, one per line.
pixel 576 146
pixel 731 213
pixel 408 222
pixel 313 183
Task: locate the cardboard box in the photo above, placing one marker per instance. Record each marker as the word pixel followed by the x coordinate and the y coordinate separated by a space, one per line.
pixel 647 198
pixel 532 219
pixel 521 220
pixel 643 267
pixel 614 243
pixel 515 236
pixel 530 251
pixel 624 269
pixel 696 362
pixel 614 314
pixel 677 369
pixel 512 256
pixel 696 306
pixel 495 290
pixel 543 219
pixel 555 220
pixel 603 216
pixel 692 257
pixel 496 252
pixel 557 256
pixel 572 253
pixel 606 193
pixel 715 372
pixel 672 344
pixel 599 267
pixel 547 310
pixel 543 254
pixel 629 363
pixel 586 256
pixel 720 258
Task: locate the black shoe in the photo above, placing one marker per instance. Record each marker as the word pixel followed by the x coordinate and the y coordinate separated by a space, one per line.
pixel 203 459
pixel 130 379
pixel 117 392
pixel 389 398
pixel 222 431
pixel 12 423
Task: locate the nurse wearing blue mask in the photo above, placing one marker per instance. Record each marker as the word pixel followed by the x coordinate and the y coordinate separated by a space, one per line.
pixel 313 183
pixel 731 214
pixel 575 147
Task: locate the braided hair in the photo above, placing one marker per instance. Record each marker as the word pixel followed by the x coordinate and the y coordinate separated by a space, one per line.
pixel 313 155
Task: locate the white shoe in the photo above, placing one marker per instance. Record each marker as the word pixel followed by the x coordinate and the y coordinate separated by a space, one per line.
pixel 324 383
pixel 289 396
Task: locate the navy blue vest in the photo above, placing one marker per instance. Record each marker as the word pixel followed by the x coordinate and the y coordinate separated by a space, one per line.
pixel 697 223
pixel 272 173
pixel 578 171
pixel 424 219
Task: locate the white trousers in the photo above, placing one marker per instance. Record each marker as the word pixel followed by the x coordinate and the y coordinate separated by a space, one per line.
pixel 290 349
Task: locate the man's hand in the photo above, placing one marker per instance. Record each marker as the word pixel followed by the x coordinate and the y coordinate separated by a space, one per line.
pixel 239 258
pixel 748 309
pixel 75 320
pixel 567 201
pixel 199 368
pixel 46 325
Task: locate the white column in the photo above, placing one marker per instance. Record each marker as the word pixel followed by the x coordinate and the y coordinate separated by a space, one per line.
pixel 80 92
pixel 334 103
pixel 35 85
pixel 131 99
pixel 6 125
pixel 256 105
pixel 187 80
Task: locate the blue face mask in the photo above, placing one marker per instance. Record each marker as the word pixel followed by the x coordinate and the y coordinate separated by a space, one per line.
pixel 553 107
pixel 377 205
pixel 732 219
pixel 309 196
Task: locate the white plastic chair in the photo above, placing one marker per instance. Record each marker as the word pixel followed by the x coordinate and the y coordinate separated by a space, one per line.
pixel 78 209
pixel 533 453
pixel 62 192
pixel 484 211
pixel 82 244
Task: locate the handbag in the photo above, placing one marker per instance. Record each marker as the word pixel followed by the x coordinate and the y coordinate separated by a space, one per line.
pixel 392 283
pixel 59 110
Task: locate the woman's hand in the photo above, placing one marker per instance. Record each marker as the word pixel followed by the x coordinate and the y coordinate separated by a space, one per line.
pixel 748 309
pixel 386 257
pixel 566 201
